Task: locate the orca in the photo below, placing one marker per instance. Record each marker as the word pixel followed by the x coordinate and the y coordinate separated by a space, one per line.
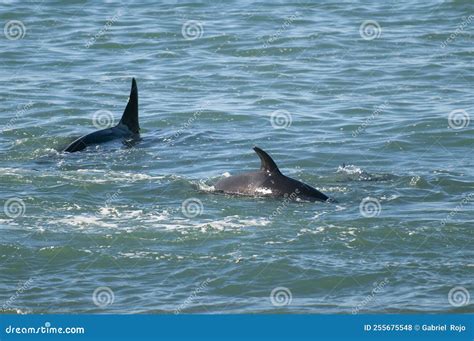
pixel 128 126
pixel 269 181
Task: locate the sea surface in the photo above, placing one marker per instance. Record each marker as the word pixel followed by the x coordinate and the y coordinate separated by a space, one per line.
pixel 371 103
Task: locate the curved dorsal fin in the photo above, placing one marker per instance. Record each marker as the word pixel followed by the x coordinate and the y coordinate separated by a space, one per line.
pixel 130 115
pixel 267 164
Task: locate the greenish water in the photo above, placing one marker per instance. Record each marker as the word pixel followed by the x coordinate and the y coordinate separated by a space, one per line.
pixel 315 85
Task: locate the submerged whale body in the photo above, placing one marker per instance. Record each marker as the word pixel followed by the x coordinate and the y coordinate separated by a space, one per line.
pixel 269 181
pixel 128 126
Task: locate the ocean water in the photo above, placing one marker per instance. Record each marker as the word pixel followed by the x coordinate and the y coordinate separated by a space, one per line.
pixel 370 103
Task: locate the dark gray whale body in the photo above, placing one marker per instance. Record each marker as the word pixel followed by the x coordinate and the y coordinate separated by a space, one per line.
pixel 128 126
pixel 269 181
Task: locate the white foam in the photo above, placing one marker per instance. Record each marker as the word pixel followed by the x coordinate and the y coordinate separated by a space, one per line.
pixel 134 176
pixel 225 224
pixel 339 189
pixel 317 230
pixel 204 187
pixel 13 171
pixel 273 242
pixel 350 169
pixel 117 176
pixel 390 198
pixel 85 221
pixel 111 217
pixel 109 211
pixel 89 171
pixel 264 191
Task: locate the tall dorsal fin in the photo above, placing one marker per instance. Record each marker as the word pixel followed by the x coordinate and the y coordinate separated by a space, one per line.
pixel 130 115
pixel 267 164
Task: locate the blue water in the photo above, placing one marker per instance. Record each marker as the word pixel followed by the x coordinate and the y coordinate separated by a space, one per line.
pixel 370 103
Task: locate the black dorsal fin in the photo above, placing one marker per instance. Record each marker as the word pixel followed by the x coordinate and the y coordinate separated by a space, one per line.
pixel 267 164
pixel 130 115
